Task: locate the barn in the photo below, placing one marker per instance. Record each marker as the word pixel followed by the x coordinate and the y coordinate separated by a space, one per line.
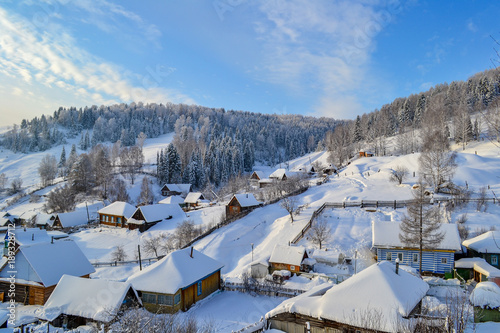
pixel 393 295
pixel 177 281
pixel 40 266
pixel 240 203
pixel 116 214
pixel 439 261
pixel 76 301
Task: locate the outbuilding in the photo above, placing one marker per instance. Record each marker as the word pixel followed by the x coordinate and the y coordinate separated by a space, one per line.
pixel 290 258
pixel 145 217
pixel 241 203
pixel 116 214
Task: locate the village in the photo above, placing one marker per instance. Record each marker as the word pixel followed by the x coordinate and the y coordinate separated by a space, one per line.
pixel 70 274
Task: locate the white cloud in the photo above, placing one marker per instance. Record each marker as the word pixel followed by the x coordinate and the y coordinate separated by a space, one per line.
pixel 471 26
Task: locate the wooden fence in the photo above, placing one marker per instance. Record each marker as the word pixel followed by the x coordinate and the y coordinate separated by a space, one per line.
pixel 125 262
pixel 271 289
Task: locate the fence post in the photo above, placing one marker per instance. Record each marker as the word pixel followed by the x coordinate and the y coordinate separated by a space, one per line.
pixel 394 204
pixel 361 203
pixel 376 203
pixel 343 204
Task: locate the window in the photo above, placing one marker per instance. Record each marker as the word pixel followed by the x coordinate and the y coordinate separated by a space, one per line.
pixel 199 288
pixel 388 256
pixel 103 218
pixel 494 260
pixel 165 300
pixel 292 268
pixel 177 299
pixel 149 298
pixel 119 219
pixel 444 260
pixel 415 257
pixel 400 256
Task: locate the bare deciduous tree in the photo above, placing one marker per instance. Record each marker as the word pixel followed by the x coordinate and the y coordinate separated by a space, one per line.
pixel 154 244
pixel 399 174
pixel 420 228
pixel 320 232
pixel 3 180
pixel 48 169
pixel 60 200
pixel 118 254
pixel 291 205
pixel 482 203
pixel 146 197
pixel 118 191
pixel 15 185
pixel 186 232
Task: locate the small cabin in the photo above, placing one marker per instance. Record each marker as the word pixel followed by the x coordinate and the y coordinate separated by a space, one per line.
pixel 290 258
pixel 116 214
pixel 259 269
pixel 77 301
pixel 477 269
pixel 40 267
pixel 187 276
pixel 241 203
pixel 437 261
pixel 147 216
pixel 175 189
pixel 366 154
pixel 485 246
pixel 70 219
pixel 194 199
pixel 256 176
pixel 279 174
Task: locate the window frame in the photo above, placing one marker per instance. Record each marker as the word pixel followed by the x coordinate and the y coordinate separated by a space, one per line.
pixel 415 257
pixel 400 254
pixel 199 288
pixel 388 256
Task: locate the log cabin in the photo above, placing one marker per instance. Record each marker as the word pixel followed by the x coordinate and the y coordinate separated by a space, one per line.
pixel 177 281
pixel 116 214
pixel 194 199
pixel 240 203
pixel 145 217
pixel 175 189
pixel 40 266
pixel 71 219
pixel 290 258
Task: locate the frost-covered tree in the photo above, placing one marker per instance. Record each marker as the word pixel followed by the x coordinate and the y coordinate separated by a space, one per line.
pixel 421 227
pixel 3 180
pixel 399 174
pixel 16 185
pixel 320 232
pixel 118 191
pixel 146 197
pixel 101 166
pixel 291 205
pixel 82 177
pixel 60 200
pixel 47 169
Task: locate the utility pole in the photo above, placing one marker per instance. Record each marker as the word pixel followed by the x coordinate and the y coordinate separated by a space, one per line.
pixel 139 250
pixel 252 251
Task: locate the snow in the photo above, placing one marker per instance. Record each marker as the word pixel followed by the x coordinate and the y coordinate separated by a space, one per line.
pixel 479 265
pixel 30 236
pixel 291 255
pixel 118 208
pixel 51 261
pixel 173 199
pixel 193 197
pixel 489 242
pixel 486 294
pixel 278 174
pixel 246 200
pixel 377 289
pixel 259 175
pixel 181 188
pixel 73 219
pixel 160 212
pixel 93 299
pixel 386 235
pixel 176 270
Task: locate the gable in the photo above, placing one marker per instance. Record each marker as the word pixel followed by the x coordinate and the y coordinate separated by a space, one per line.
pixel 24 270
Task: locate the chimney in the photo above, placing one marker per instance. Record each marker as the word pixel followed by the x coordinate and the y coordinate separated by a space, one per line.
pixel 191 255
pixel 247 195
pixel 52 240
pixel 32 237
pixel 397 265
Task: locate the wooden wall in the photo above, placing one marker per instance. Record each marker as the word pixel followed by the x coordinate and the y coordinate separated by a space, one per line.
pixel 28 294
pixel 431 260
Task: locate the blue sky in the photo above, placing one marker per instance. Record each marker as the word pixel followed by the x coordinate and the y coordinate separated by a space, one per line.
pixel 321 58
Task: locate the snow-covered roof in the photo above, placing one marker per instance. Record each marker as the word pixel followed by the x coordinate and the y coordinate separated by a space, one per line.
pixel 246 200
pixel 486 294
pixel 175 271
pixel 265 180
pixel 118 208
pixel 489 242
pixel 44 219
pixel 259 174
pixel 4 221
pixel 284 254
pixel 181 188
pixel 193 197
pixel 50 261
pixel 278 174
pixel 377 290
pixel 30 236
pixel 72 219
pixel 328 256
pixel 479 265
pixel 96 299
pixel 173 199
pixel 159 212
pixel 386 235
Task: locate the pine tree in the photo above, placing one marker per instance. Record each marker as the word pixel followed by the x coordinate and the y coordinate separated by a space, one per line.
pixel 173 165
pixel 357 130
pixel 62 159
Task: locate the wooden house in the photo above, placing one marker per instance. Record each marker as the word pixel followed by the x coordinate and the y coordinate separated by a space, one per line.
pixel 366 154
pixel 256 176
pixel 393 296
pixel 70 219
pixel 177 281
pixel 194 199
pixel 486 301
pixel 266 182
pixel 290 258
pixel 175 189
pixel 485 246
pixel 259 269
pixel 279 174
pixel 173 199
pixel 240 203
pixel 40 266
pixel 439 261
pixel 477 269
pixel 116 214
pixel 145 217
pixel 77 301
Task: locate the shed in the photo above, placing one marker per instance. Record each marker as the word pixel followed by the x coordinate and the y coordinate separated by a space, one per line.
pixel 486 246
pixel 279 174
pixel 477 269
pixel 194 199
pixel 116 214
pixel 289 258
pixel 77 300
pixel 177 281
pixel 240 203
pixel 175 189
pixel 40 266
pixel 440 260
pixel 393 297
pixel 330 258
pixel 145 217
pixel 71 219
pixel 486 301
pixel 44 221
pixel 259 269
pixel 266 182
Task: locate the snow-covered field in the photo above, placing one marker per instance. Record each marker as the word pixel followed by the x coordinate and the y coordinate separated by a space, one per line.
pixel 261 230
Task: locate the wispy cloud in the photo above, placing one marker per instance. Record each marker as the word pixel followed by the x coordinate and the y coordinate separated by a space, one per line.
pixel 471 26
pixel 321 45
pixel 53 59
